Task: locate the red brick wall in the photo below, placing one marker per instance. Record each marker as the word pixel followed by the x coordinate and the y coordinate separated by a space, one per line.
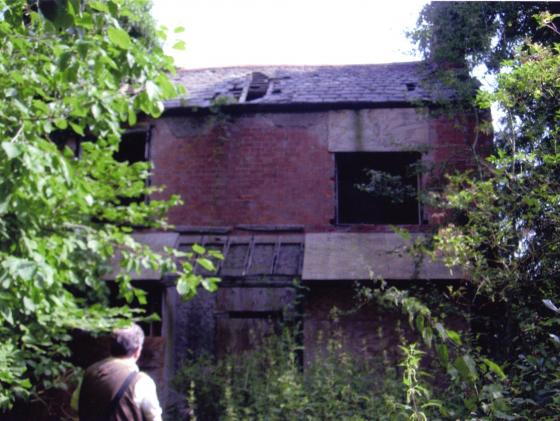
pixel 270 169
pixel 247 171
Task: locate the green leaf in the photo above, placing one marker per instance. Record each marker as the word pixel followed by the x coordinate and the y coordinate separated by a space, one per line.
pixel 20 268
pixel 95 111
pixel 77 128
pixel 466 367
pixel 167 88
pixel 182 287
pixel 61 123
pixel 443 354
pixel 131 117
pixel 83 49
pixel 12 150
pixel 28 304
pixel 152 90
pixel 198 249
pixel 495 368
pixel 420 323
pixel 206 264
pixel 26 383
pixel 427 335
pixel 210 284
pixel 7 315
pixel 454 336
pixel 119 37
pixel 99 6
pixel 179 45
pixel 216 254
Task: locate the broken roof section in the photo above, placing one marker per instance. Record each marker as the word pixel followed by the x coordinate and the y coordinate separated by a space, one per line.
pixel 320 85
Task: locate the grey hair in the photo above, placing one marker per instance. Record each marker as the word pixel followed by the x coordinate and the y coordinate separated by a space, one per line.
pixel 126 341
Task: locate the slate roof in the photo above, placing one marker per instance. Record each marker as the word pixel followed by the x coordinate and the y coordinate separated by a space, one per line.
pixel 361 84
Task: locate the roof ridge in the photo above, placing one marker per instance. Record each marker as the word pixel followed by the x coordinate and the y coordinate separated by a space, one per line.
pixel 298 66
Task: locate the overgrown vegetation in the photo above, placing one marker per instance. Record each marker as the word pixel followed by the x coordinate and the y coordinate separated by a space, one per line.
pixel 503 228
pixel 268 383
pixel 73 71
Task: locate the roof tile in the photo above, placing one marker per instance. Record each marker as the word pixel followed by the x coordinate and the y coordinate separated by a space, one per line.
pixel 372 83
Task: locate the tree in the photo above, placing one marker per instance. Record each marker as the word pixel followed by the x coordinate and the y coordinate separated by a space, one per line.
pixel 474 33
pixel 82 70
pixel 504 217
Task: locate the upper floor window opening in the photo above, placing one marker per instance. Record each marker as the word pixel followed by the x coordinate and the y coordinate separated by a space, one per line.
pixel 377 188
pixel 134 147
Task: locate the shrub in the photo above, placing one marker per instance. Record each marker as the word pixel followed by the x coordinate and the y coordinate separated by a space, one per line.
pixel 269 383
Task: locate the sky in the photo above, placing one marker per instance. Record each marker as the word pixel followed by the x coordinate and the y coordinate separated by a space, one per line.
pixel 263 32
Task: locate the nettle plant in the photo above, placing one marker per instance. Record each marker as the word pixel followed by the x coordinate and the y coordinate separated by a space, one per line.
pixel 83 70
pixel 269 382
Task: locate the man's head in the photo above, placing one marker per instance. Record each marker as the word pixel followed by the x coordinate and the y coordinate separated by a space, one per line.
pixel 127 342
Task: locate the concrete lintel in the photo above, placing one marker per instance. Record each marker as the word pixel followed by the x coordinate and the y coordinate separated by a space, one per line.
pixel 364 256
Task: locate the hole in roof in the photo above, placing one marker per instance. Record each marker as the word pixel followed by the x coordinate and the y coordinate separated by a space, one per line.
pixel 410 86
pixel 258 86
pixel 236 92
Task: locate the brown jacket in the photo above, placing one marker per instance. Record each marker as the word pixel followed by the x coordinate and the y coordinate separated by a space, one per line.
pixel 101 383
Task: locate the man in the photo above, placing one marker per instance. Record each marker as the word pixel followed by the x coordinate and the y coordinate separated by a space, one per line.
pixel 113 389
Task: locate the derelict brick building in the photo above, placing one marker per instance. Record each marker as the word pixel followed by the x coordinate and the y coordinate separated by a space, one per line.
pixel 267 160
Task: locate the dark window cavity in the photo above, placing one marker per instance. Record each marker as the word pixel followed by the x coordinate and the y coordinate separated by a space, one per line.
pixel 377 187
pixel 134 147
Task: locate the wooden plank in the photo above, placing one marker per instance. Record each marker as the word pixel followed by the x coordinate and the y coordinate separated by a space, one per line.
pixel 253 299
pixel 234 336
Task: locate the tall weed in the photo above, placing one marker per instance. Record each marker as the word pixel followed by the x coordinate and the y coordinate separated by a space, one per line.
pixel 269 383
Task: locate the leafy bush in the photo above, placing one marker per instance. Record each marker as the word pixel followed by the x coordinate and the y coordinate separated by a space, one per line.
pixel 269 384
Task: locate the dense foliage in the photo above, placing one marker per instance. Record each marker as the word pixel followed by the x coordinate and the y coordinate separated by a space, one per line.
pixel 72 71
pixel 474 33
pixel 268 383
pixel 504 216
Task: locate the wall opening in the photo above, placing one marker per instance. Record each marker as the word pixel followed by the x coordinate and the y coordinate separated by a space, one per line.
pixel 377 188
pixel 134 147
pixel 258 86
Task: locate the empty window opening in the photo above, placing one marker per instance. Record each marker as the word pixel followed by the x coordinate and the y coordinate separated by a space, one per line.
pixel 377 188
pixel 410 86
pixel 133 148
